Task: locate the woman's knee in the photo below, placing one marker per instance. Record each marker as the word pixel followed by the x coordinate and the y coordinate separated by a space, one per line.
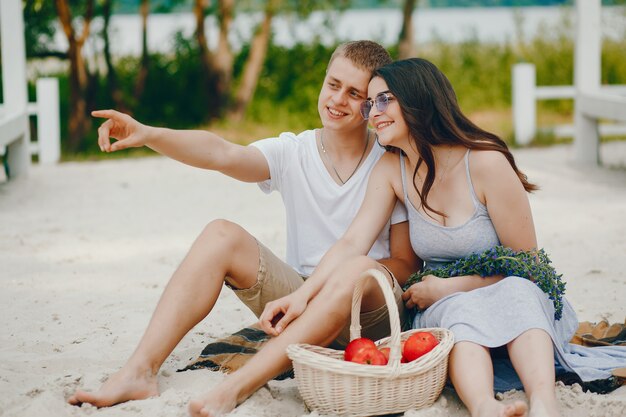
pixel 519 286
pixel 345 277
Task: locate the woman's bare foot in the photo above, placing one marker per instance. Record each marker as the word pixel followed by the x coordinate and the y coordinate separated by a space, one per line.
pixel 217 402
pixel 495 408
pixel 539 408
pixel 122 386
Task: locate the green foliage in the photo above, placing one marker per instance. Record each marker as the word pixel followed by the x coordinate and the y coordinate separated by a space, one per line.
pixel 613 65
pixel 552 53
pixel 177 95
pixel 39 18
pixel 534 265
pixel 478 71
pixel 494 3
pixel 289 85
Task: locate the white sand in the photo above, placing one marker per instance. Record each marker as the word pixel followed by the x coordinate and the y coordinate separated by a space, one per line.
pixel 87 248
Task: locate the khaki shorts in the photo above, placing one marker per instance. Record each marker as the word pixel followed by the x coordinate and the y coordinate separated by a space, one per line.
pixel 276 279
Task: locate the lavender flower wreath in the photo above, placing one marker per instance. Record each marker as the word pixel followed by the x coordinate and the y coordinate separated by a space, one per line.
pixel 534 265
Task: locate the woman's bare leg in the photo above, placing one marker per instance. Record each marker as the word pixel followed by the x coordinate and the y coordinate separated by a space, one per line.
pixel 320 324
pixel 222 249
pixel 532 356
pixel 471 372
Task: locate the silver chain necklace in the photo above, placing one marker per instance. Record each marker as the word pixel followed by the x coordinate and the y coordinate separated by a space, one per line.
pixel 445 169
pixel 330 160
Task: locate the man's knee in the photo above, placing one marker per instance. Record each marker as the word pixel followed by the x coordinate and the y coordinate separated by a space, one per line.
pixel 234 251
pixel 229 235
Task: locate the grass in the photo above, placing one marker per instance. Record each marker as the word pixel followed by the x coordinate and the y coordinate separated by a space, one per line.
pixel 497 120
pixel 97 155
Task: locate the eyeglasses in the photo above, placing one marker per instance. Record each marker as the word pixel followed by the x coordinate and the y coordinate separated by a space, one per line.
pixel 381 100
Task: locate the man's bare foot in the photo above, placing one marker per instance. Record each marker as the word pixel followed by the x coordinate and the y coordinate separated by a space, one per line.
pixel 122 386
pixel 495 408
pixel 215 403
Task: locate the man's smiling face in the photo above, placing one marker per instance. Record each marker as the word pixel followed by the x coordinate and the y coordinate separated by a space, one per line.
pixel 344 88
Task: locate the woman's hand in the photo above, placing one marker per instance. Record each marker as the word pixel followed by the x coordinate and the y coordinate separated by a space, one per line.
pixel 425 293
pixel 279 313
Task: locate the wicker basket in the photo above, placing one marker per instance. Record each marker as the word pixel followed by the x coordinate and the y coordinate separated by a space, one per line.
pixel 330 385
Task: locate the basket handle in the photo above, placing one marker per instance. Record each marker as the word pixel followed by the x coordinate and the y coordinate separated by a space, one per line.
pixel 394 319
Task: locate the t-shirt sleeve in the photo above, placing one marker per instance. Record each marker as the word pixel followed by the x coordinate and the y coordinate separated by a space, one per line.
pixel 276 152
pixel 399 213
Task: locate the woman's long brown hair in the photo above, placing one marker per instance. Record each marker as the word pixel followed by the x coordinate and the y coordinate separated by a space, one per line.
pixel 431 111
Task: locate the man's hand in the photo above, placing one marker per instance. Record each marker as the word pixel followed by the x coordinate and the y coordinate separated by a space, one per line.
pixel 128 132
pixel 425 293
pixel 279 313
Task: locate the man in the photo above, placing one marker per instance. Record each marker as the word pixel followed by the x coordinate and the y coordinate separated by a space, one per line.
pixel 322 176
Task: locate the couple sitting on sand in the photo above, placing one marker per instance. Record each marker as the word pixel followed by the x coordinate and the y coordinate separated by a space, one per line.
pixel 449 189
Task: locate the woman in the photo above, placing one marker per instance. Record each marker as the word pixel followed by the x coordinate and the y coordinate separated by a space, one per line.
pixel 465 196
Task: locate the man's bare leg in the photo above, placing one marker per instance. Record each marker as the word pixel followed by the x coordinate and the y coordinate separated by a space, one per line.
pixel 320 324
pixel 532 356
pixel 222 249
pixel 471 372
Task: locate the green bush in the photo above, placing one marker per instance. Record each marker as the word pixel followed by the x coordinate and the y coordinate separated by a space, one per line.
pixel 289 85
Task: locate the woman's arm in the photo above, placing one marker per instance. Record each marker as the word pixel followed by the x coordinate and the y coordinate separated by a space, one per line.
pixel 402 260
pixel 507 202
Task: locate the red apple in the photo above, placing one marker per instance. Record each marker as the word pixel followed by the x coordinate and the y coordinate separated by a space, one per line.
pixel 402 360
pixel 369 356
pixel 385 351
pixel 356 345
pixel 418 344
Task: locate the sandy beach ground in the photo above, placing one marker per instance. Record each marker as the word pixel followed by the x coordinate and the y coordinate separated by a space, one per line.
pixel 87 248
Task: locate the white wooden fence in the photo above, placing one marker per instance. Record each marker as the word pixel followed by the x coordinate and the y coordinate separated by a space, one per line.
pixel 15 136
pixel 592 100
pixel 46 110
pixel 48 145
pixel 592 103
pixel 14 130
pixel 526 93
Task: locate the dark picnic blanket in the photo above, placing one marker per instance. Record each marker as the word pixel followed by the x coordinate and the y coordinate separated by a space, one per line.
pixel 232 352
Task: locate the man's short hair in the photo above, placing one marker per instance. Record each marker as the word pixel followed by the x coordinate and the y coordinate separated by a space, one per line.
pixel 366 55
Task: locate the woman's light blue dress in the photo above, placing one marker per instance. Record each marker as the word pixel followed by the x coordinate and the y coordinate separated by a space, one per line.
pixel 495 315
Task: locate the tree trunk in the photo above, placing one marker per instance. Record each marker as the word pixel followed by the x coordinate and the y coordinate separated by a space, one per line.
pixel 142 76
pixel 220 64
pixel 406 47
pixel 254 65
pixel 114 88
pixel 224 58
pixel 80 122
pixel 199 7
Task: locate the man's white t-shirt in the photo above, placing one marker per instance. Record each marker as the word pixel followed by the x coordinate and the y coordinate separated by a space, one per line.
pixel 318 210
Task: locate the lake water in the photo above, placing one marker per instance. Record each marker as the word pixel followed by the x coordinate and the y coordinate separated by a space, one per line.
pixel 383 25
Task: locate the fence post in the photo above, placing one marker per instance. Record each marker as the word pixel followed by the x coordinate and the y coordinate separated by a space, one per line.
pixel 48 129
pixel 586 79
pixel 524 107
pixel 14 80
